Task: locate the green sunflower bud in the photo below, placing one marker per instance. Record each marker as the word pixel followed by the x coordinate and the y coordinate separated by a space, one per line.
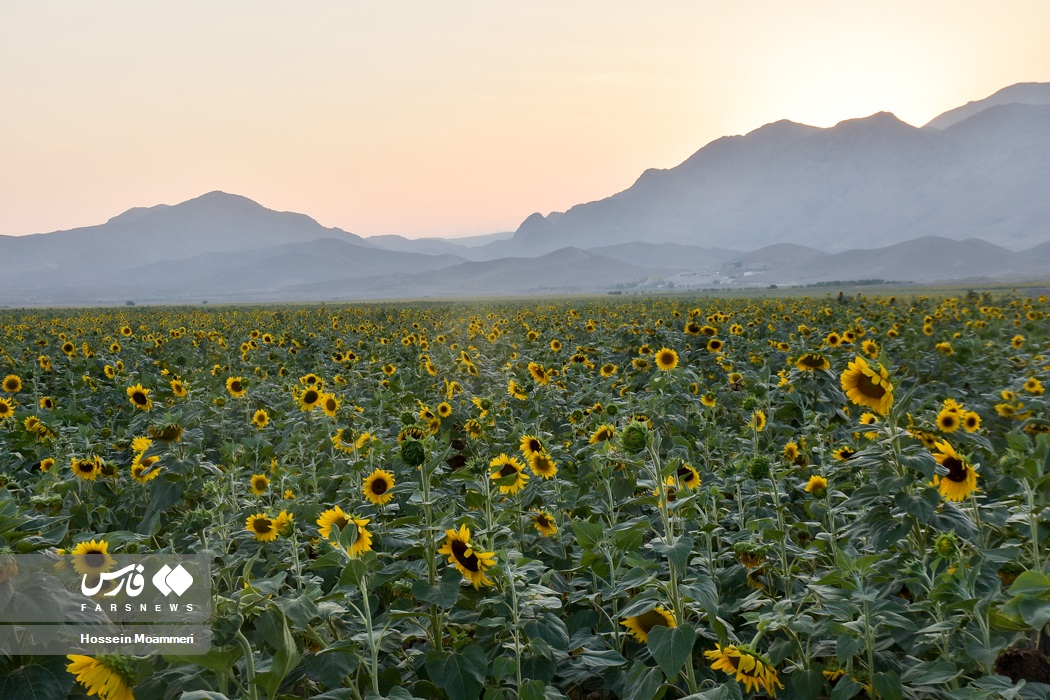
pixel 634 438
pixel 413 453
pixel 946 545
pixel 758 468
pixel 750 402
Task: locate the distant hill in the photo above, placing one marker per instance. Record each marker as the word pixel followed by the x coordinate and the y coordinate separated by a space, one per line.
pixel 1021 93
pixel 666 255
pixel 862 183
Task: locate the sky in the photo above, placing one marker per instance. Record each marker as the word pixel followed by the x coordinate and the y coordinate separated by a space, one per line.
pixel 451 118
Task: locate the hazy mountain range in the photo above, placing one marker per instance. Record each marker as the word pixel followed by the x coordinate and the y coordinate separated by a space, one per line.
pixel 967 196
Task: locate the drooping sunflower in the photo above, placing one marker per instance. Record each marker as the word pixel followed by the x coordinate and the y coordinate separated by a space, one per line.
pixel 92 558
pixel 688 476
pixel 469 561
pixel 868 386
pixel 961 479
pixel 515 390
pixel 811 362
pixel 603 433
pixel 544 523
pixel 666 359
pixel 378 487
pixel 235 385
pixel 641 625
pixel 746 666
pixel 139 397
pixel 12 384
pixel 309 399
pixel 88 468
pixel 509 466
pixel 260 484
pixel 142 469
pixel 262 526
pixel 538 373
pixel 261 419
pixel 106 676
pixel 542 465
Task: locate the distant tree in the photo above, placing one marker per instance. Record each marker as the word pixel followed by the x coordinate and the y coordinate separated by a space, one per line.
pixel 129 302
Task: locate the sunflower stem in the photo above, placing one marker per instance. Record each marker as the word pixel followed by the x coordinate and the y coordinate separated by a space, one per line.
pixel 249 667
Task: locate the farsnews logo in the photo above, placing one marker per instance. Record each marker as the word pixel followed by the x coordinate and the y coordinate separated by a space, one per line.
pixel 166 580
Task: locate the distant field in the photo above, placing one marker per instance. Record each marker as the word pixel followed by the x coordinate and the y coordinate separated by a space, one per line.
pixel 785 492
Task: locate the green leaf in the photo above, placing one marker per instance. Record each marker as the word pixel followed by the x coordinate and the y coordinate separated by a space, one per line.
pixel 587 534
pixel 1030 583
pixel 930 673
pixel 642 682
pixel 671 647
pixel 444 594
pixel 1034 611
pixel 888 685
pixel 461 675
pixel 678 555
pixel 808 683
pixel 846 647
pixel 532 690
pixel 846 688
pixel 202 695
pixel 47 680
pixel 285 659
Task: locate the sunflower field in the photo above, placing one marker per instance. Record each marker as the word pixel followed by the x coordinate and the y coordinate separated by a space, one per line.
pixel 674 497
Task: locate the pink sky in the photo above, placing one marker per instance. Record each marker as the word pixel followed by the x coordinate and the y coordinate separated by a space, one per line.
pixel 450 118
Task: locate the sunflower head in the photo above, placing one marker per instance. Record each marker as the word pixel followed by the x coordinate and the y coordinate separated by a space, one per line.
pixel 961 480
pixel 666 359
pixel 92 558
pixel 544 523
pixel 746 666
pixel 469 561
pixel 139 397
pixel 379 487
pixel 641 625
pixel 12 384
pixel 262 526
pixel 508 473
pixel 868 386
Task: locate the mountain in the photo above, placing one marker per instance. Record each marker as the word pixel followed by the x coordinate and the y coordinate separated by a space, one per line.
pixel 437 245
pixel 926 259
pixel 666 255
pixel 859 184
pixel 1021 93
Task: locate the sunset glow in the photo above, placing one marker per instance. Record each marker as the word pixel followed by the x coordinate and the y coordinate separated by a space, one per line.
pixel 450 119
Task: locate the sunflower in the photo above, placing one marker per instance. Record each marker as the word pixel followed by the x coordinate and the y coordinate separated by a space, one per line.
pixel 961 479
pixel 1034 386
pixel 378 486
pixel 791 451
pixel 1017 342
pixel 92 558
pixel 329 404
pixel 313 380
pixel 141 469
pixel 688 476
pixel 334 516
pixel 715 345
pixel 541 464
pixel 87 469
pixel 709 400
pixel 758 421
pixel 530 445
pixel 608 369
pixel 746 667
pixel 178 388
pixel 870 348
pixel 555 345
pixel 309 399
pixel 538 373
pixel 235 385
pixel 811 362
pixel 470 562
pixel 262 526
pixel 817 486
pixel 971 422
pixel 666 359
pixel 473 428
pixel 261 419
pixel 833 339
pixel 866 386
pixel 948 421
pixel 444 409
pixel 139 397
pixel 389 370
pixel 641 625
pixel 844 454
pixel 12 384
pixel 544 523
pixel 106 676
pixel 505 467
pixel 516 391
pixel 260 484
pixel 46 464
pixel 604 433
